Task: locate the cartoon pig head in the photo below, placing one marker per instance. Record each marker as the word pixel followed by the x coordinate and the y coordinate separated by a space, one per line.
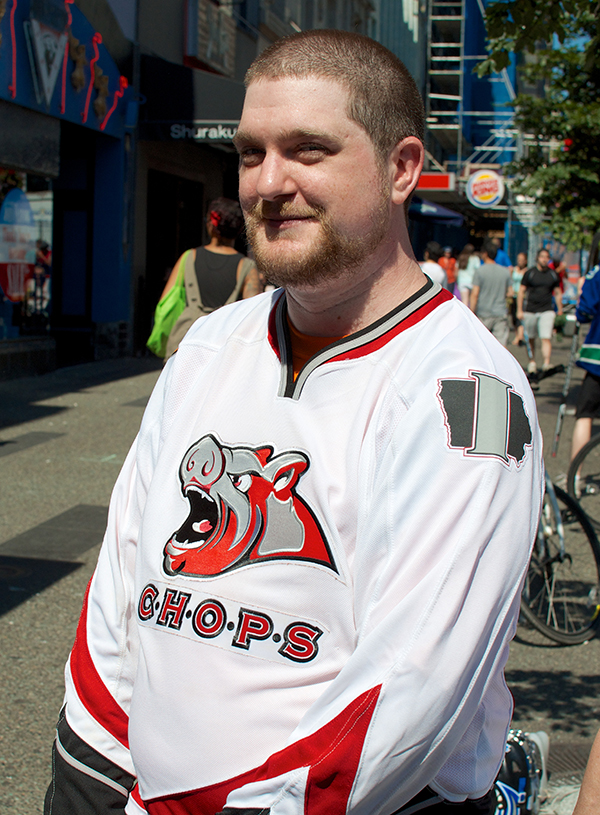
pixel 243 509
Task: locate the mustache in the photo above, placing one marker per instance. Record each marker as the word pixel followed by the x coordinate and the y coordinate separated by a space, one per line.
pixel 264 210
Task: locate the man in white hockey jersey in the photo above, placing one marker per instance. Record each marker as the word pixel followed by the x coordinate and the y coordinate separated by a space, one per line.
pixel 315 549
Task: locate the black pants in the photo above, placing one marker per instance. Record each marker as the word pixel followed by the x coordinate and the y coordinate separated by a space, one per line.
pixel 429 802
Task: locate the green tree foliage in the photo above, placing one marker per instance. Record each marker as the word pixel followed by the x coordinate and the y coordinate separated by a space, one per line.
pixel 560 164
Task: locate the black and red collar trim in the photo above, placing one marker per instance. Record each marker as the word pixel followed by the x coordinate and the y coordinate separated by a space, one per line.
pixel 363 342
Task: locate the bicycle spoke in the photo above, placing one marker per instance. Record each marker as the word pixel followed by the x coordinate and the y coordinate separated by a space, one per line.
pixel 585 483
pixel 561 592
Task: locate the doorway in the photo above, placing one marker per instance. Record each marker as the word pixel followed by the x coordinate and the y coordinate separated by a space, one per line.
pixel 174 223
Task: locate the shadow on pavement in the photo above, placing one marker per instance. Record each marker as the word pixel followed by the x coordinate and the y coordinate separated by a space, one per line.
pixel 18 397
pixel 21 578
pixel 36 559
pixel 570 700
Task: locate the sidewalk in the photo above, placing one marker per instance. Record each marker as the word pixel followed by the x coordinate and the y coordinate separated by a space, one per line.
pixel 63 437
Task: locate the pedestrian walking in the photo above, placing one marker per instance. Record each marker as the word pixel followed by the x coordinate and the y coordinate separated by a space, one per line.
pixel 535 306
pixel 312 565
pixel 502 258
pixel 468 261
pixel 448 264
pixel 588 402
pixel 431 266
pixel 517 275
pixel 491 283
pixel 215 274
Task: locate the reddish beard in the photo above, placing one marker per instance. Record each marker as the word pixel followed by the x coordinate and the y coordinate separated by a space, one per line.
pixel 329 256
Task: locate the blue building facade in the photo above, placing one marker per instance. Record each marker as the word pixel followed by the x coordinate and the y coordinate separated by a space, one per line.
pixel 63 103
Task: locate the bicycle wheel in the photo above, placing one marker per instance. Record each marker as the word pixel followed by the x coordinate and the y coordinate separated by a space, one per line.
pixel 586 487
pixel 561 595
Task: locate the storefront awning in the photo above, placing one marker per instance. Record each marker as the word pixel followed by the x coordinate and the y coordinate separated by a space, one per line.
pixel 422 210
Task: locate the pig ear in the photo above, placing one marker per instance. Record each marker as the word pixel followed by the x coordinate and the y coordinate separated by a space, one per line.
pixel 287 475
pixel 263 454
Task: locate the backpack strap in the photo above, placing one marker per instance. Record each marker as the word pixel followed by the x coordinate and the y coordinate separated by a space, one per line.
pixel 236 294
pixel 192 290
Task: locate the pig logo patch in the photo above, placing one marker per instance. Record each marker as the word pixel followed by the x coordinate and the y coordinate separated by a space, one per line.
pixel 243 509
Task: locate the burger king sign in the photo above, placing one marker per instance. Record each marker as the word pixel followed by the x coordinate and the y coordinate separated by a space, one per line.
pixel 485 189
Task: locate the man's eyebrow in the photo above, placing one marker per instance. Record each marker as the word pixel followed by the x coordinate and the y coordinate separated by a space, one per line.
pixel 244 137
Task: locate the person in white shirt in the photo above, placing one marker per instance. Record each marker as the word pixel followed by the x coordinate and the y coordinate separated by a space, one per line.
pixel 433 252
pixel 315 549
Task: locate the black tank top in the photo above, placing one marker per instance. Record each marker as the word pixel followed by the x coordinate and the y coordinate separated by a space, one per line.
pixel 217 276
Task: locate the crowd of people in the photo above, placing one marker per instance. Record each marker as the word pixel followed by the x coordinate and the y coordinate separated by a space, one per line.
pixel 528 297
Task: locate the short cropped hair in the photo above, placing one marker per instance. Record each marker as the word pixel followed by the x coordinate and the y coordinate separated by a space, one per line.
pixel 384 98
pixel 226 216
pixel 434 250
pixel 490 248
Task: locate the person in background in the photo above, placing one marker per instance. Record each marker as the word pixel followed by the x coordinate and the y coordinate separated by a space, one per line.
pixel 216 274
pixel 448 264
pixel 588 802
pixel 43 255
pixel 588 402
pixel 218 265
pixel 502 259
pixel 534 306
pixel 468 261
pixel 491 283
pixel 517 275
pixel 431 266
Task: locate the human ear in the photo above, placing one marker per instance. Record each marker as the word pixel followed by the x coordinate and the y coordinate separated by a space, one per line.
pixel 406 162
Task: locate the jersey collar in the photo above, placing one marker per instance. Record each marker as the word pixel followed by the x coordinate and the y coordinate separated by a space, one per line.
pixel 360 344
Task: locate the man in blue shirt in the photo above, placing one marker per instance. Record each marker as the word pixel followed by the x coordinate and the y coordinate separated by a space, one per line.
pixel 588 403
pixel 502 259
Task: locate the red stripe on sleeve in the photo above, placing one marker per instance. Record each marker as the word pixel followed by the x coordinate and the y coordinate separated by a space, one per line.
pixel 92 692
pixel 332 753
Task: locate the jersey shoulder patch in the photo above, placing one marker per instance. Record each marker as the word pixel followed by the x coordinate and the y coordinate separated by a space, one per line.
pixel 485 417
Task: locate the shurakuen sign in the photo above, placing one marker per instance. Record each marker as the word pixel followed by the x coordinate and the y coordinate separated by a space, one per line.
pixel 203 131
pixel 485 189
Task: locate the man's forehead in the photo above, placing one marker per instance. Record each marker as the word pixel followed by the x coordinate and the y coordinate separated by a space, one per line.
pixel 291 92
pixel 295 106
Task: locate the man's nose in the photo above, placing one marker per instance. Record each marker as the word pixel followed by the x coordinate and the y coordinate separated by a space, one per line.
pixel 275 178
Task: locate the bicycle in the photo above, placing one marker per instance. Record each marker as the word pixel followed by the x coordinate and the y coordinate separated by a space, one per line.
pixel 583 479
pixel 561 595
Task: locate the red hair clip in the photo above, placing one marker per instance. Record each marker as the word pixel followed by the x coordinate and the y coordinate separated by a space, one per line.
pixel 215 218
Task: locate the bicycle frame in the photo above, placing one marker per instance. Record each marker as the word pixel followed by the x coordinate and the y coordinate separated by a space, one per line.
pixel 558 517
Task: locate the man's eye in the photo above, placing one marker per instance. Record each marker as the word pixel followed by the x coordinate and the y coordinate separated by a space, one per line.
pixel 312 151
pixel 251 156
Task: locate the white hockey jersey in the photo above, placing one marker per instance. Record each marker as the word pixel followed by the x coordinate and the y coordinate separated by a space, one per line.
pixel 307 588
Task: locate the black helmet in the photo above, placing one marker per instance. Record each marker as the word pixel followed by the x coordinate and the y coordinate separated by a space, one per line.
pixel 520 778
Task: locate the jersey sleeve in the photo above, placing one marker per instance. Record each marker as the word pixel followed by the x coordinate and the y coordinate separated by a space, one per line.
pixel 589 302
pixel 442 548
pixel 92 771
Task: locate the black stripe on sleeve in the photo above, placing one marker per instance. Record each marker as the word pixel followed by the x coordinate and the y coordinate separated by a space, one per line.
pixel 84 782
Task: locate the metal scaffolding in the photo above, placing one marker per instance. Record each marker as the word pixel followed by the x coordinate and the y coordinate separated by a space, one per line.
pixel 446 107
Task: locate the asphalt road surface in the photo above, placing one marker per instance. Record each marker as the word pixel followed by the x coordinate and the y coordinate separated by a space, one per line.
pixel 63 437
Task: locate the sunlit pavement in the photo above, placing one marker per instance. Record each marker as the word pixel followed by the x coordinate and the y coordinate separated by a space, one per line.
pixel 63 437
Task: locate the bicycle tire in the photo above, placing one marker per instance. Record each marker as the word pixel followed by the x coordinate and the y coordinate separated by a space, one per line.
pixel 586 489
pixel 561 595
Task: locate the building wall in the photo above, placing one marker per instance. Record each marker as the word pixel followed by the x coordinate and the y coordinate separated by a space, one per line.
pixel 402 27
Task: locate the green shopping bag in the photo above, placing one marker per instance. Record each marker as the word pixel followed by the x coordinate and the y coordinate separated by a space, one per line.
pixel 166 313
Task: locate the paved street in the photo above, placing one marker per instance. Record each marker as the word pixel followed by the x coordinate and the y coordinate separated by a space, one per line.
pixel 63 437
